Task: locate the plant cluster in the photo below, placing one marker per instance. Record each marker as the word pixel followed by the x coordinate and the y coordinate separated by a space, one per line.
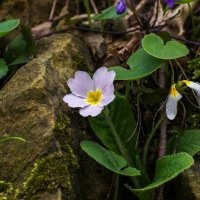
pixel 19 50
pixel 111 117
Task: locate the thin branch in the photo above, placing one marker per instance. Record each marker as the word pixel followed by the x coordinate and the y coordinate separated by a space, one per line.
pixel 185 40
pixel 157 10
pixel 94 7
pixel 136 15
pixel 53 10
pixel 92 30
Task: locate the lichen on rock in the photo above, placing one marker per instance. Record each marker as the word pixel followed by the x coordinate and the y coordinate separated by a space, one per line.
pixel 50 174
pixel 45 166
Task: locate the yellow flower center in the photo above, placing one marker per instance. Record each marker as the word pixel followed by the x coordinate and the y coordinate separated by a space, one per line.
pixel 94 97
pixel 186 82
pixel 174 91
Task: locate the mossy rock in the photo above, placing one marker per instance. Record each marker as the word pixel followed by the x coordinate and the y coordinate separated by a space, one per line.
pixel 31 106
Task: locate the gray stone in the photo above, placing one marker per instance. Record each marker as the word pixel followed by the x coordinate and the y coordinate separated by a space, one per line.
pixel 188 186
pixel 31 107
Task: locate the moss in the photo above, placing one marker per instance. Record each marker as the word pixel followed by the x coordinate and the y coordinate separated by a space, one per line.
pixel 194 67
pixel 193 121
pixel 79 62
pixel 49 174
pixel 53 171
pixel 6 190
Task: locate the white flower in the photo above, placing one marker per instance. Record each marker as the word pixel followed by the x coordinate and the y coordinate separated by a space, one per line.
pixel 193 85
pixel 172 100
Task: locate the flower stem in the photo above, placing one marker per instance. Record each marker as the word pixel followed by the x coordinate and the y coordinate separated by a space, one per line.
pixel 116 187
pixel 192 16
pixel 120 144
pixel 136 15
pixel 149 139
pixel 87 7
pixel 127 89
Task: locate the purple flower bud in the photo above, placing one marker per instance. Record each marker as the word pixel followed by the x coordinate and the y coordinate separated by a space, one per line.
pixel 170 3
pixel 121 7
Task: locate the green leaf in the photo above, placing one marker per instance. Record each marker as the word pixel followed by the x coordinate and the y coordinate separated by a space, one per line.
pixel 167 168
pixel 3 68
pixel 184 1
pixel 21 49
pixel 11 138
pixel 154 45
pixel 189 142
pixel 155 96
pixel 108 159
pixel 7 26
pixel 141 64
pixel 108 13
pixel 124 121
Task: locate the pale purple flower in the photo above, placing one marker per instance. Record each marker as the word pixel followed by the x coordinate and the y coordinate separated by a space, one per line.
pixel 91 95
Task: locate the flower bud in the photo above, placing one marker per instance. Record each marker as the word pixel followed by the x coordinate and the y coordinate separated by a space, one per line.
pixel 121 7
pixel 170 3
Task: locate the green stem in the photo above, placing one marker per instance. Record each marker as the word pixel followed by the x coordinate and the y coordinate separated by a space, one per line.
pixel 87 7
pixel 192 16
pixel 120 144
pixel 127 89
pixel 149 139
pixel 144 179
pixel 116 187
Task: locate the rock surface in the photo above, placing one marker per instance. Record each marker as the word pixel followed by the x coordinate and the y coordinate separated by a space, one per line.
pixel 188 187
pixel 31 106
pixel 30 12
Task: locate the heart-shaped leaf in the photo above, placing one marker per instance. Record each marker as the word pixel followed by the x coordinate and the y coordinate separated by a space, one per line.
pixel 141 64
pixel 108 159
pixel 154 45
pixel 3 68
pixel 7 26
pixel 189 142
pixel 167 168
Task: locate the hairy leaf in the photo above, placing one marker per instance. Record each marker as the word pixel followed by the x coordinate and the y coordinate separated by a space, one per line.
pixel 189 142
pixel 124 121
pixel 167 168
pixel 108 159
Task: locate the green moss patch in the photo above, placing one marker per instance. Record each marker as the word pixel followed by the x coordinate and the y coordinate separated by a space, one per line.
pixel 53 171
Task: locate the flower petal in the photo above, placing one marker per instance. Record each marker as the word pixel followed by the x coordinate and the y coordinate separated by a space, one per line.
pixel 108 95
pixel 81 84
pixel 103 78
pixel 90 110
pixel 171 106
pixel 195 86
pixel 108 99
pixel 74 101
